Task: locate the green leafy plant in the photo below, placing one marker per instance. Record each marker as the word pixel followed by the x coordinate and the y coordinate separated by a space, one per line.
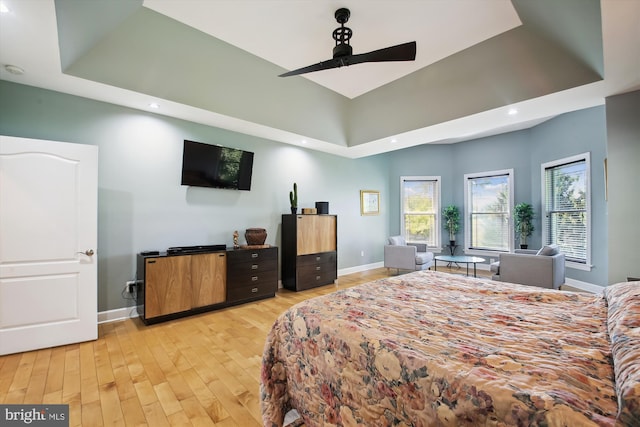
pixel 523 220
pixel 293 197
pixel 451 220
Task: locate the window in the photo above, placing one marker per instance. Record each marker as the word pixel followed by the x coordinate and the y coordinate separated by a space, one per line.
pixel 420 216
pixel 566 198
pixel 488 206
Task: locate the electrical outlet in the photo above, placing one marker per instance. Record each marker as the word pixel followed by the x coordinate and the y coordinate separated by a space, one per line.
pixel 130 287
pixel 361 253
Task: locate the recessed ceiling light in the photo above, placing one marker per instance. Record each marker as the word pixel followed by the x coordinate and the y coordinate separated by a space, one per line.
pixel 512 111
pixel 14 69
pixel 304 141
pixel 4 8
pixel 393 140
pixel 154 105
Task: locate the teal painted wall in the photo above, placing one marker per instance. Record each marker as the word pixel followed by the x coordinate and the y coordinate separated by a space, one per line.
pixel 523 151
pixel 570 134
pixel 142 206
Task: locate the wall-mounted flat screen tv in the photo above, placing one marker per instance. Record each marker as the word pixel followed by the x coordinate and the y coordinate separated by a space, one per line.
pixel 206 165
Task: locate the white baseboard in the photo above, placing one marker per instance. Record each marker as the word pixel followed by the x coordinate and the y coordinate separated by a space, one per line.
pixel 360 268
pixel 585 286
pixel 117 314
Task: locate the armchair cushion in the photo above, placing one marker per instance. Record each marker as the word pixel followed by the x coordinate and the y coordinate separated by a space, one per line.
pixel 424 258
pixel 495 267
pixel 549 250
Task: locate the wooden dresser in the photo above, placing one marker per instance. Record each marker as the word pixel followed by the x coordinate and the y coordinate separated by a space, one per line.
pixel 251 274
pixel 309 251
pixel 170 286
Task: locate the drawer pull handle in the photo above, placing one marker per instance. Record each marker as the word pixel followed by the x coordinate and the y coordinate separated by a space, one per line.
pixel 317 277
pixel 151 261
pixel 254 278
pixel 318 268
pixel 254 290
pixel 317 258
pixel 254 266
pixel 254 255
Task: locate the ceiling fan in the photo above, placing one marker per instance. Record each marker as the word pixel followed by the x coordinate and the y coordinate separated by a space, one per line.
pixel 343 53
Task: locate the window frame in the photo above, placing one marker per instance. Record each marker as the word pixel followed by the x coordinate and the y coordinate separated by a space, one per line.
pixel 586 157
pixel 437 208
pixel 467 214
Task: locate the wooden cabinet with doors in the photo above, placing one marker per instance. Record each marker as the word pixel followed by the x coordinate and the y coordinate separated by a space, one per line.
pixel 208 269
pixel 171 286
pixel 309 251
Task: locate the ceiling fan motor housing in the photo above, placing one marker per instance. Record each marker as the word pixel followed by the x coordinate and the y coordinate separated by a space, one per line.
pixel 342 35
pixel 342 15
pixel 342 50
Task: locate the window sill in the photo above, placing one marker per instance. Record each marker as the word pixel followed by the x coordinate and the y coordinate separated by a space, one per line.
pixel 578 266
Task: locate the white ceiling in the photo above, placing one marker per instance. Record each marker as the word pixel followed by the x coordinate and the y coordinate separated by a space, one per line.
pixel 295 34
pixel 298 33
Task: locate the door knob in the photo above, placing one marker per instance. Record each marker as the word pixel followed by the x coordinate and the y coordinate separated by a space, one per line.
pixel 88 252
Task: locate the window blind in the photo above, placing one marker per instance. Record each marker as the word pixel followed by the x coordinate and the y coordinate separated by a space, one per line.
pixel 566 209
pixel 420 210
pixel 489 212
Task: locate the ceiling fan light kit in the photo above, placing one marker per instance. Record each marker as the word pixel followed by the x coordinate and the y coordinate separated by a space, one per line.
pixel 343 52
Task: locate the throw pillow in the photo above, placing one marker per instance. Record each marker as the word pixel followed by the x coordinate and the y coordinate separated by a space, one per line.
pixel 549 250
pixel 397 241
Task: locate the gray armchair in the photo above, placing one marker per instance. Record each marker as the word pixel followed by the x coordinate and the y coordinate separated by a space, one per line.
pixel 401 255
pixel 543 268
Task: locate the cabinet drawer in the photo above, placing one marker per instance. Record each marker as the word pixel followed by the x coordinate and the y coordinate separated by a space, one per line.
pixel 248 255
pixel 320 258
pixel 256 278
pixel 317 269
pixel 244 270
pixel 249 292
pixel 310 278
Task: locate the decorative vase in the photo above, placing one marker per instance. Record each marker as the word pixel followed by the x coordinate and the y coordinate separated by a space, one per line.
pixel 255 236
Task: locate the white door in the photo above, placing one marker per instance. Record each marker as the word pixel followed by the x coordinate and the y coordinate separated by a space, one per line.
pixel 48 237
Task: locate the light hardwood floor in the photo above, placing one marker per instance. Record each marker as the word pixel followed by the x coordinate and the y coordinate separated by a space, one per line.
pixel 202 370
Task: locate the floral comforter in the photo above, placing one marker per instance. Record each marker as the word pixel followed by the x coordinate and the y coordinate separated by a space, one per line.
pixel 434 349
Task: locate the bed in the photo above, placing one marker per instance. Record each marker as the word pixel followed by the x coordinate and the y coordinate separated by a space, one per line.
pixel 435 349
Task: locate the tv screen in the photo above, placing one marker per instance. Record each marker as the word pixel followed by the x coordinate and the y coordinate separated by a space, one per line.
pixel 205 165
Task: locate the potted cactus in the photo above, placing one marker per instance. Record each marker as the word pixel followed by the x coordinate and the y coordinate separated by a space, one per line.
pixel 293 198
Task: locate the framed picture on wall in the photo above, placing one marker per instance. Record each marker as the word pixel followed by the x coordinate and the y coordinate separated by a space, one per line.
pixel 369 202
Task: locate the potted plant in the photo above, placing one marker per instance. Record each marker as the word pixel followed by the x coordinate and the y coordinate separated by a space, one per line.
pixel 523 220
pixel 451 220
pixel 293 198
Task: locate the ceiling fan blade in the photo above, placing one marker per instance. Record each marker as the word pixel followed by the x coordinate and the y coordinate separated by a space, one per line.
pixel 401 52
pixel 324 65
